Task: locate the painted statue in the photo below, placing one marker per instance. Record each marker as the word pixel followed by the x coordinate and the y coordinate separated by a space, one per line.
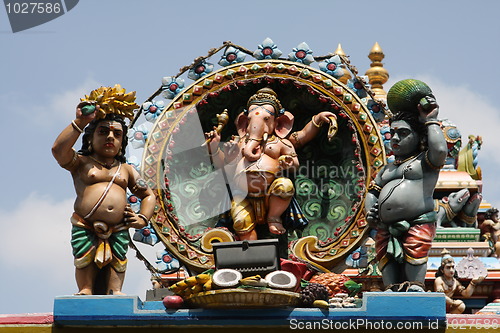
pixel 447 282
pixel 490 230
pixel 468 157
pixel 257 158
pixel 102 217
pixel 460 205
pixel 399 202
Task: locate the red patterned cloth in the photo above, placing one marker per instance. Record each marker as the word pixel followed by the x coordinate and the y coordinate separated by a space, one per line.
pixel 416 243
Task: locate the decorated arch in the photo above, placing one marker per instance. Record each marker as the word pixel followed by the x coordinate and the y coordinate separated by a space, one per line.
pixel 330 184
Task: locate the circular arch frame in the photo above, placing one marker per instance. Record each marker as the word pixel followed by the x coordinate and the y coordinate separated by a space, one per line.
pixel 323 256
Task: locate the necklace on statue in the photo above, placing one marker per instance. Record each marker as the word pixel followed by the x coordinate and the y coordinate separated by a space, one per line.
pixel 106 165
pixel 398 161
pixel 448 283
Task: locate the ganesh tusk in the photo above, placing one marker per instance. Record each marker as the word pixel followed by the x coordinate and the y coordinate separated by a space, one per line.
pixel 264 137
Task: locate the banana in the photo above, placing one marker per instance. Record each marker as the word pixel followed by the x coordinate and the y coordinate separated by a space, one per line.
pixel 196 288
pixel 319 303
pixel 255 281
pixel 186 293
pixel 192 285
pixel 208 285
pixel 178 287
pixel 191 281
pixel 202 278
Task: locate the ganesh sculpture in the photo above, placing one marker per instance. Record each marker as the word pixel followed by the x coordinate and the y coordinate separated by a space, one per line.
pixel 258 158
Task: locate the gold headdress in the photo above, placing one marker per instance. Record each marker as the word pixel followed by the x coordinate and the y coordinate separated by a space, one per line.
pixel 113 100
pixel 266 96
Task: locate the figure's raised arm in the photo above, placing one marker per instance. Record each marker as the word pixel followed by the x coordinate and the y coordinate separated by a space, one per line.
pixel 312 128
pixel 438 149
pixel 62 149
pixel 214 150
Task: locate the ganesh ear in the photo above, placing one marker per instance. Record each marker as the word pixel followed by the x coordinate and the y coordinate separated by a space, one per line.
pixel 242 124
pixel 284 124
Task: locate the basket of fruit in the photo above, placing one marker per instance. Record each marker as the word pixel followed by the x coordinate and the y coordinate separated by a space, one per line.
pixel 243 298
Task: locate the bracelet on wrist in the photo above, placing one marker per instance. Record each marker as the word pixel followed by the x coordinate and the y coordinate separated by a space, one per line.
pixel 142 216
pixel 432 122
pixel 314 123
pixel 76 127
pixel 216 152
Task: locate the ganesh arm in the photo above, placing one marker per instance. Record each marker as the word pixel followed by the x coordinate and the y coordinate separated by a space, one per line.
pixel 312 128
pixel 217 158
pixel 288 159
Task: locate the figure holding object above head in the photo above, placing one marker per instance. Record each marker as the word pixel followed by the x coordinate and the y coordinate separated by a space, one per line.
pixel 101 178
pixel 399 203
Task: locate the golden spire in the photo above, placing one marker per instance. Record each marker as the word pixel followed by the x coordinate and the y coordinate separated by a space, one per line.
pixel 377 74
pixel 347 75
pixel 339 50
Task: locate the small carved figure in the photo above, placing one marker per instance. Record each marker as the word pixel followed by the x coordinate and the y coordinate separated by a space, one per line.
pixel 101 177
pixel 490 230
pixel 399 202
pixel 447 282
pixel 257 158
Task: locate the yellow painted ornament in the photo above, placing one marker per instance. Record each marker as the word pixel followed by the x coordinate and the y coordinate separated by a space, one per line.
pixel 112 100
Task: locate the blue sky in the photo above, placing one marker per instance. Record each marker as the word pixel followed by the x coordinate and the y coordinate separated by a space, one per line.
pixel 451 45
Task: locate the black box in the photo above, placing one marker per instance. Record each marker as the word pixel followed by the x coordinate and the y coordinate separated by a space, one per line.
pixel 256 257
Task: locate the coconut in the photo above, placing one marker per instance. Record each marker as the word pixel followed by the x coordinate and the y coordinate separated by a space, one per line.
pixel 405 95
pixel 226 278
pixel 281 280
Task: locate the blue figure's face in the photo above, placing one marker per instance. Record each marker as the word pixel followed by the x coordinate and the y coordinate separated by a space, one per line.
pixel 404 140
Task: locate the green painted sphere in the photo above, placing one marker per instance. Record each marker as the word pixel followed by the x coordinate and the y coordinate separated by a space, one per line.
pixel 405 95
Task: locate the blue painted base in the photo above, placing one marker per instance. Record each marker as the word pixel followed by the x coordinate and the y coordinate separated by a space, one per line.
pixel 426 310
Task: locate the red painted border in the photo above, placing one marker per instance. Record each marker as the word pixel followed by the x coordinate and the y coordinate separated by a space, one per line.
pixel 26 318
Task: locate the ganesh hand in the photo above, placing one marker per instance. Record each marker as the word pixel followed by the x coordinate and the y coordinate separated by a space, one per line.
pixel 213 138
pixel 231 150
pixel 324 117
pixel 285 161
